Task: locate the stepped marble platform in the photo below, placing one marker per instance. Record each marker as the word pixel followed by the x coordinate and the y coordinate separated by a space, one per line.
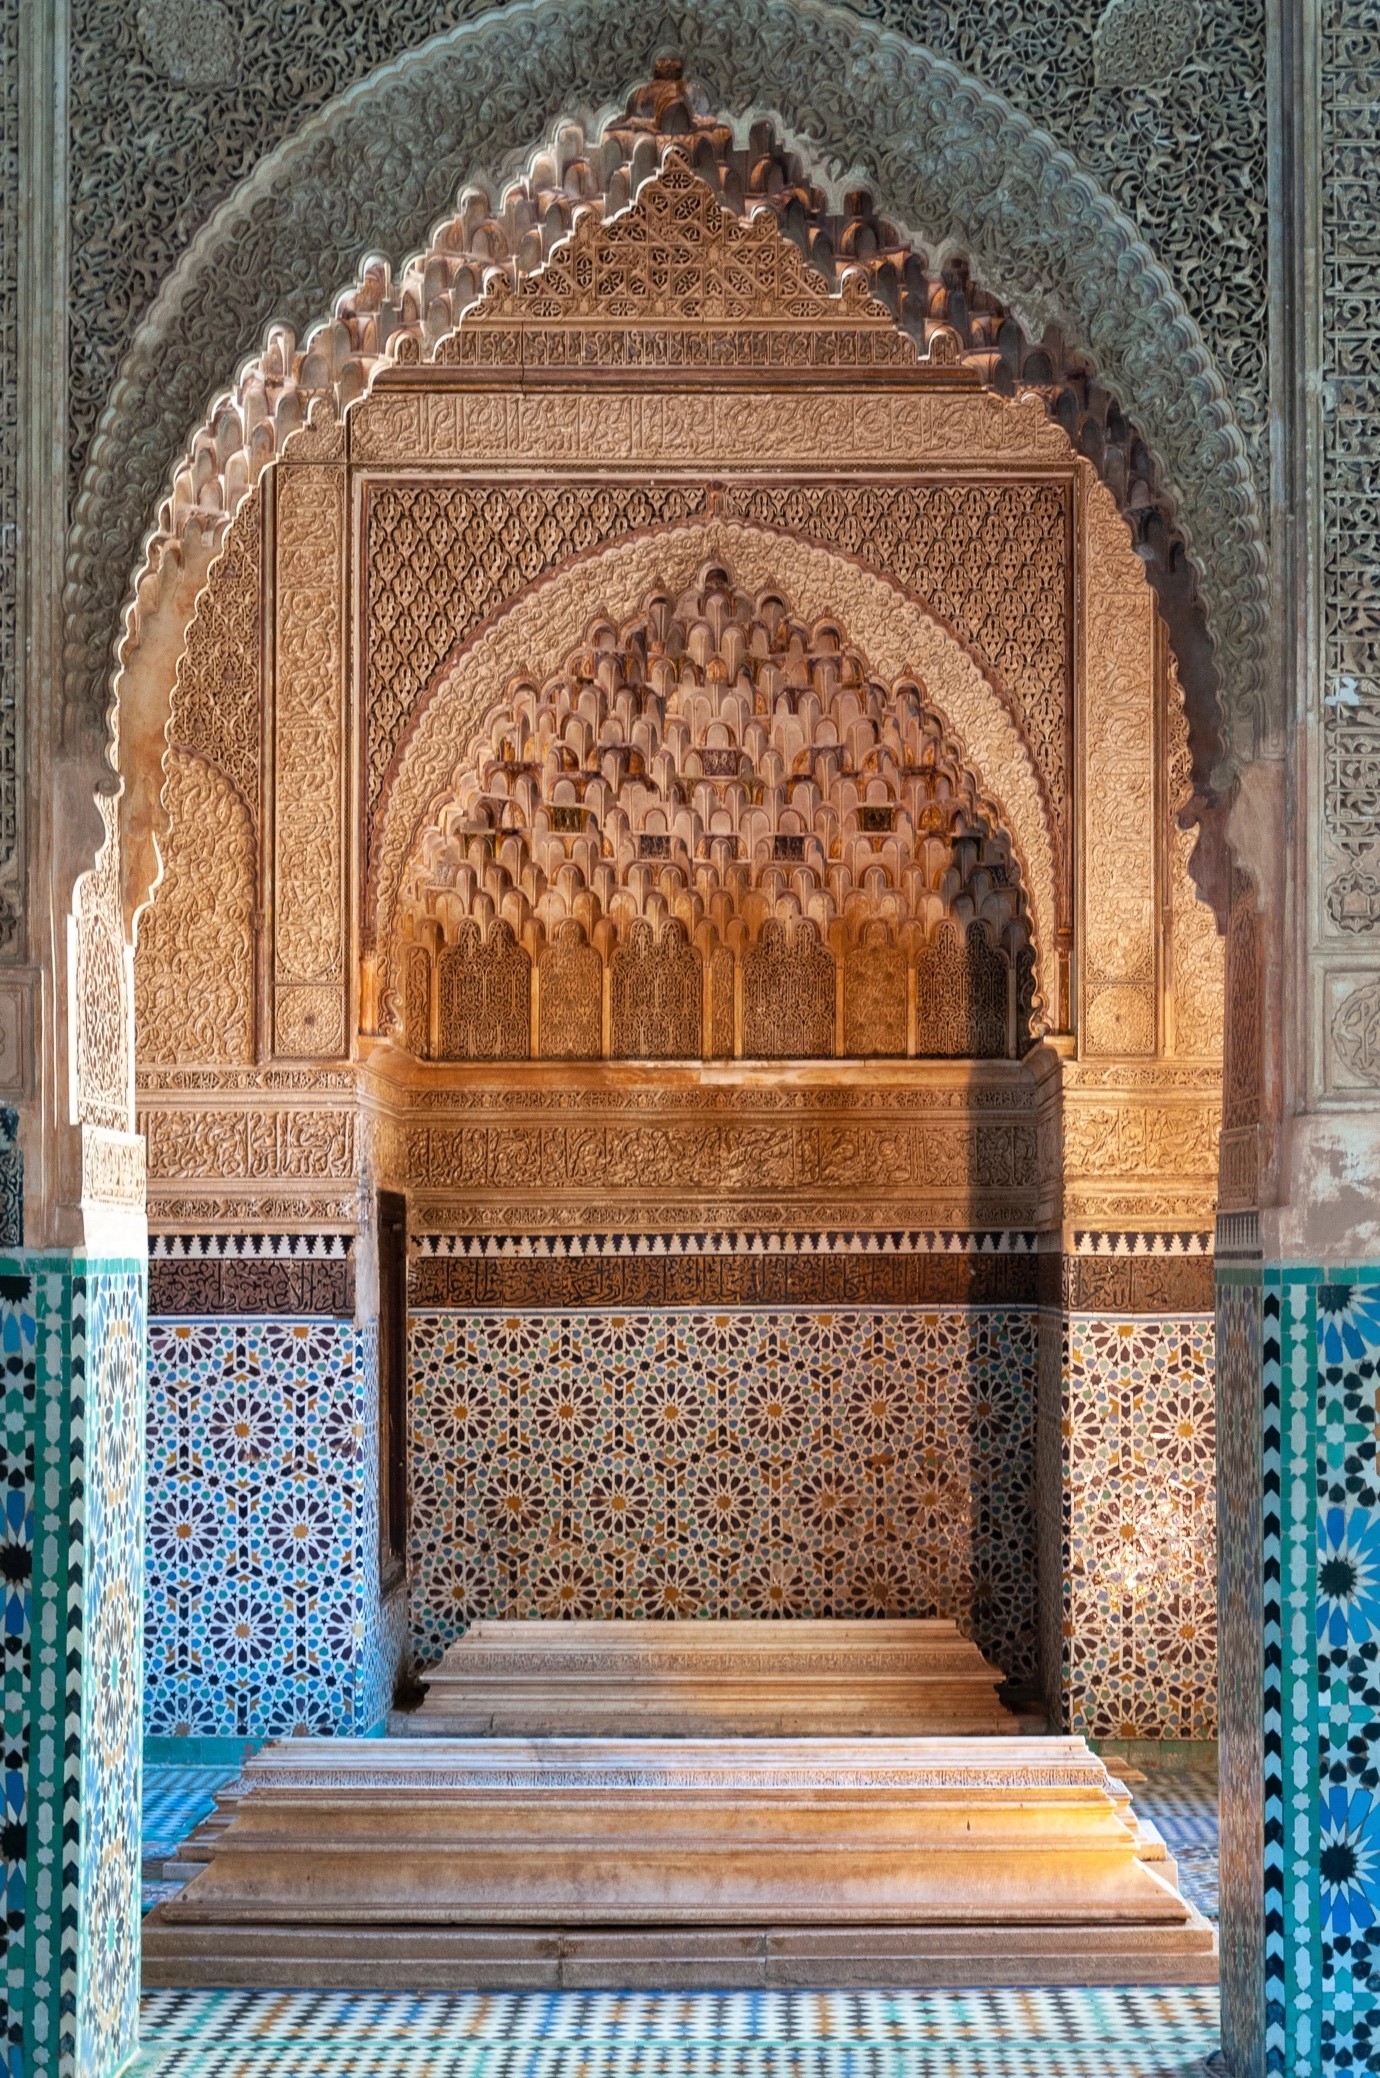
pixel 914 1677
pixel 715 1863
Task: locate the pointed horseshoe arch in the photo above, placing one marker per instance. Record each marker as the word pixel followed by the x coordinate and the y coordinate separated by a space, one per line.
pixel 952 160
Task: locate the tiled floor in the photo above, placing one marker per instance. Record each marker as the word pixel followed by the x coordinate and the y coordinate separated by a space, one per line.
pixel 1183 1804
pixel 175 1800
pixel 1000 2034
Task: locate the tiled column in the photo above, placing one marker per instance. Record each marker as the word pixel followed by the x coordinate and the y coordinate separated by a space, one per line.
pixel 72 1335
pixel 1241 1664
pixel 1321 1715
pixel 264 1611
pixel 1126 1491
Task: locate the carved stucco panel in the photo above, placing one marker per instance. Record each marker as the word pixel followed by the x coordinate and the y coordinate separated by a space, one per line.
pixel 194 960
pixel 217 697
pixel 1197 950
pixel 1131 1139
pixel 533 635
pixel 101 1006
pixel 309 780
pixel 1120 836
pixel 312 1143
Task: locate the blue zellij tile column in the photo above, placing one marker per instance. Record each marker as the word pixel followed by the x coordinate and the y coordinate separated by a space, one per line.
pixel 72 1347
pixel 1321 1720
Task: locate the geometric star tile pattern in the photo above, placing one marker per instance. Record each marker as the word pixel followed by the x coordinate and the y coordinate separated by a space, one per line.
pixel 1347 1640
pixel 753 1463
pixel 263 1614
pixel 1321 1715
pixel 1138 1507
pixel 72 1347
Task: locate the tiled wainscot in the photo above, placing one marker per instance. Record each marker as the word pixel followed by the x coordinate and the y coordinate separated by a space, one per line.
pixel 263 1612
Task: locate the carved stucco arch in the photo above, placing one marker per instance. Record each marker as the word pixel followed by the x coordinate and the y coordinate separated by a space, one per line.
pixel 533 633
pixel 953 160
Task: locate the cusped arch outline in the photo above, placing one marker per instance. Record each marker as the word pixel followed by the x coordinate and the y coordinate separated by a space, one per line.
pixel 952 159
pixel 532 635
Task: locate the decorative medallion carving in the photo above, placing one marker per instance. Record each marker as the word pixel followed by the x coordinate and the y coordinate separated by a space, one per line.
pixel 194 43
pixel 1353 900
pixel 1356 1032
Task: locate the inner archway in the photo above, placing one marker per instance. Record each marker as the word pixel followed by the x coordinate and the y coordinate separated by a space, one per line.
pixel 395 968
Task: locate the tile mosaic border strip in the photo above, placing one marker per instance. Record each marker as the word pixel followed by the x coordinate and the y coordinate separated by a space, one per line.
pixel 1298 1788
pixel 1101 1241
pixel 1272 1544
pixel 172 1248
pixel 746 1242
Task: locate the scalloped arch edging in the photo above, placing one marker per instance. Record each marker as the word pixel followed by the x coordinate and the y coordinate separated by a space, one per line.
pixel 953 160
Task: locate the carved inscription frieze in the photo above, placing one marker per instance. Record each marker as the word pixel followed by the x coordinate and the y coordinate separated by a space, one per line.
pixel 186 1143
pixel 725 1280
pixel 565 428
pixel 555 1176
pixel 1147 1139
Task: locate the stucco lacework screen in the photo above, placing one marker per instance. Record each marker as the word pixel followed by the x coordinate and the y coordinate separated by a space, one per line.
pixel 679 781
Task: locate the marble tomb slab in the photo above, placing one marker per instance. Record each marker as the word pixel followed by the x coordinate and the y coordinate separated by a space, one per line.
pixel 916 1676
pixel 523 1863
